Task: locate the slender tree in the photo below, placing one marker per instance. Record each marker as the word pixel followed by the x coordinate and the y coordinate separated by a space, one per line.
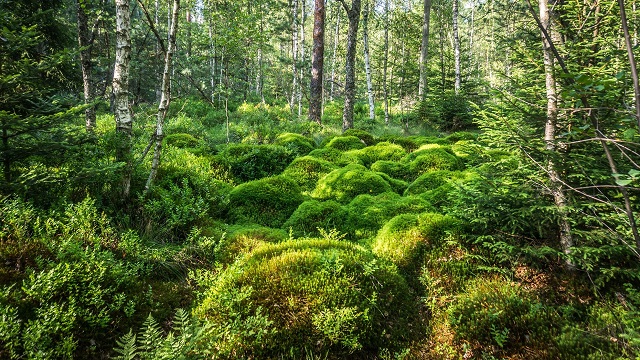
pixel 336 39
pixel 632 61
pixel 424 48
pixel 85 42
pixel 385 65
pixel 353 14
pixel 456 46
pixel 317 63
pixel 367 61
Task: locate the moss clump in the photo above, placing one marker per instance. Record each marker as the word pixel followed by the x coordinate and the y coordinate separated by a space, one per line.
pixel 307 170
pixel 181 140
pixel 268 202
pixel 380 151
pixel 367 138
pixel 322 295
pixel 251 162
pixel 395 169
pixel 398 186
pixel 313 215
pixel 367 214
pixel 407 143
pixel 346 183
pixel 345 143
pixel 461 135
pixel 242 239
pixel 434 159
pixel 429 181
pixel 335 156
pixel 296 143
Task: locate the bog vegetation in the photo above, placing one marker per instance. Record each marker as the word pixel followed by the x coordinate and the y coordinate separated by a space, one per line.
pixel 447 224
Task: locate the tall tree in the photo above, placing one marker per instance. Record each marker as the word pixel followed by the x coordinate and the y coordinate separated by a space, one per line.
pixel 336 40
pixel 353 14
pixel 385 61
pixel 367 61
pixel 122 112
pixel 294 53
pixel 85 41
pixel 424 48
pixel 317 63
pixel 456 46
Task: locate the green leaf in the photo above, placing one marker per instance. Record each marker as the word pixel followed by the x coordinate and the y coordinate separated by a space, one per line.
pixel 623 182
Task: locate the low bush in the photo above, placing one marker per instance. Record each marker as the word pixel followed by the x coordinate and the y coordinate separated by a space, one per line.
pixel 307 170
pixel 296 143
pixel 344 143
pixel 346 183
pixel 251 162
pixel 325 296
pixel 268 202
pixel 313 215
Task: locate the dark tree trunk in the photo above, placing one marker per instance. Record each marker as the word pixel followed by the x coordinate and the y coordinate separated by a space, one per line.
pixel 353 13
pixel 85 43
pixel 317 62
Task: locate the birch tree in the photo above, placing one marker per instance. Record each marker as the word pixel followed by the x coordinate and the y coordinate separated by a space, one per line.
pixel 456 46
pixel 317 63
pixel 367 60
pixel 85 42
pixel 424 48
pixel 353 14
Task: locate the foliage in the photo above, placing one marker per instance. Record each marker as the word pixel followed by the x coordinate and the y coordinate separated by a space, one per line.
pixel 182 140
pixel 344 143
pixel 447 112
pixel 346 183
pixel 324 294
pixel 251 162
pixel 307 170
pixel 380 151
pixel 366 137
pixel 395 169
pixel 434 159
pixel 313 215
pixel 269 201
pixel 296 143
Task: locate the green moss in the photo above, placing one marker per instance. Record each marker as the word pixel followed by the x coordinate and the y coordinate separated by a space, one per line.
pixel 242 239
pixel 395 169
pixel 324 296
pixel 335 156
pixel 434 159
pixel 344 143
pixel 407 143
pixel 380 151
pixel 346 183
pixel 367 214
pixel 367 138
pixel 429 181
pixel 398 186
pixel 461 135
pixel 181 140
pixel 267 202
pixel 251 162
pixel 307 170
pixel 296 143
pixel 312 215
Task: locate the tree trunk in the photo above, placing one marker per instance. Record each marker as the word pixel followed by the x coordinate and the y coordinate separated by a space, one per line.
pixel 353 13
pixel 294 54
pixel 120 88
pixel 559 196
pixel 385 65
pixel 85 43
pixel 456 46
pixel 632 61
pixel 165 98
pixel 367 61
pixel 317 63
pixel 333 55
pixel 424 48
pixel 301 71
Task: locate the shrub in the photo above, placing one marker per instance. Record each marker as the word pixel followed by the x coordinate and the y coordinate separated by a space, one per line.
pixel 313 215
pixel 252 162
pixel 380 151
pixel 324 295
pixel 367 213
pixel 346 183
pixel 307 170
pixel 367 138
pixel 269 202
pixel 296 143
pixel 344 143
pixel 182 140
pixel 435 159
pixel 500 314
pixel 395 169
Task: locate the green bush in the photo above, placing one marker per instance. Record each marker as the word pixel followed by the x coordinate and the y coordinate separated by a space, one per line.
pixel 181 140
pixel 296 143
pixel 251 162
pixel 395 169
pixel 324 296
pixel 380 151
pixel 434 159
pixel 344 143
pixel 269 201
pixel 367 138
pixel 346 183
pixel 313 215
pixel 501 315
pixel 307 170
pixel 367 213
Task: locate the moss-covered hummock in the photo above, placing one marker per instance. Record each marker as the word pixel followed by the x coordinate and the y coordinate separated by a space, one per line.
pixel 344 143
pixel 251 162
pixel 296 143
pixel 313 215
pixel 346 183
pixel 307 170
pixel 321 296
pixel 380 151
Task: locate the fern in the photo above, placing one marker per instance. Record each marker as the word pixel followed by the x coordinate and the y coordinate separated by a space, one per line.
pixel 150 339
pixel 127 347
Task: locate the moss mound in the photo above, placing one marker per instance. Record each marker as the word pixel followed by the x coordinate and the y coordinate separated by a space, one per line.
pixel 367 138
pixel 335 156
pixel 307 170
pixel 328 296
pixel 380 151
pixel 395 169
pixel 251 162
pixel 312 215
pixel 268 202
pixel 367 214
pixel 181 140
pixel 434 159
pixel 241 239
pixel 344 143
pixel 429 181
pixel 398 186
pixel 296 143
pixel 346 183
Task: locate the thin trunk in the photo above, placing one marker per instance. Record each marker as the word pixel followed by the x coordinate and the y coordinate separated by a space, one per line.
pixel 158 53
pixel 120 88
pixel 336 38
pixel 559 196
pixel 294 54
pixel 317 63
pixel 301 72
pixel 6 160
pixel 85 43
pixel 424 48
pixel 442 65
pixel 456 46
pixel 165 99
pixel 212 61
pixel 353 13
pixel 632 62
pixel 367 61
pixel 385 64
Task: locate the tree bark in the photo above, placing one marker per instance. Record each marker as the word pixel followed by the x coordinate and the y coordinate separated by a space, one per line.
pixel 367 61
pixel 85 42
pixel 424 48
pixel 165 98
pixel 120 88
pixel 353 13
pixel 294 54
pixel 336 38
pixel 385 65
pixel 456 47
pixel 301 72
pixel 632 61
pixel 317 63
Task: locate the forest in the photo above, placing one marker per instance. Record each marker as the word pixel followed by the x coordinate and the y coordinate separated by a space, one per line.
pixel 319 179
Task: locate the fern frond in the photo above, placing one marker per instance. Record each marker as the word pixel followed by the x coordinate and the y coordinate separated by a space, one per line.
pixel 127 347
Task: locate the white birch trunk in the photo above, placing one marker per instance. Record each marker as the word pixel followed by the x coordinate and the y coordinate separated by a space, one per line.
pixel 385 84
pixel 424 49
pixel 367 61
pixel 336 37
pixel 456 46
